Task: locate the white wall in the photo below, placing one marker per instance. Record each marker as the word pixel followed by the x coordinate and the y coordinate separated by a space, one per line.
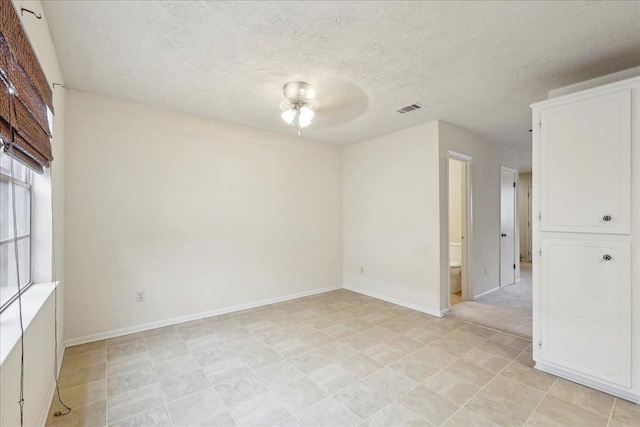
pixel 391 217
pixel 487 157
pixel 39 342
pixel 524 182
pixel 455 200
pixel 200 215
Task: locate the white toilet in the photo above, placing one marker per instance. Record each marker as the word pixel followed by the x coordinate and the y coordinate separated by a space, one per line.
pixel 455 267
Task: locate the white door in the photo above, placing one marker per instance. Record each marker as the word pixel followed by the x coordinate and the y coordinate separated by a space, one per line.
pixel 585 165
pixel 507 226
pixel 586 307
pixel 464 271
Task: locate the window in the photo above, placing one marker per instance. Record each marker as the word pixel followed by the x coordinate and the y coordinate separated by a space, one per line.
pixel 9 239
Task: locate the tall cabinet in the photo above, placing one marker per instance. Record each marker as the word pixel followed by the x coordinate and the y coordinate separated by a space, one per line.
pixel 586 240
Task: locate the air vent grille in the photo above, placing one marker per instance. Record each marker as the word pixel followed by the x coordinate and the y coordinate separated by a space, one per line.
pixel 409 108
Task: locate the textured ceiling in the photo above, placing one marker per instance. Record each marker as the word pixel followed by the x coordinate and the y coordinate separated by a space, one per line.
pixel 474 64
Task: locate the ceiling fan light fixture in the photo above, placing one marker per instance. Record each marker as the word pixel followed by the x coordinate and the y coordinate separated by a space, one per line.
pixel 300 104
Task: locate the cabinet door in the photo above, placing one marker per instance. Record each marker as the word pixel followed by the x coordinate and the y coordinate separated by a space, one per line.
pixel 586 308
pixel 585 165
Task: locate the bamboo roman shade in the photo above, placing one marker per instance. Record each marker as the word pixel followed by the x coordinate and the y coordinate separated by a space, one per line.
pixel 25 95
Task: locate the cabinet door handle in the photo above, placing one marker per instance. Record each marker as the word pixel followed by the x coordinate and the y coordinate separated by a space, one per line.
pixel 606 218
pixel 606 257
pixel 504 235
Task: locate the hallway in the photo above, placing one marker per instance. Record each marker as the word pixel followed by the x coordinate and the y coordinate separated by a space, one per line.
pixel 508 309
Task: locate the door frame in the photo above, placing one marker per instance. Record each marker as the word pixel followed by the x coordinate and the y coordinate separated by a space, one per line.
pixel 529 231
pixel 516 232
pixel 467 229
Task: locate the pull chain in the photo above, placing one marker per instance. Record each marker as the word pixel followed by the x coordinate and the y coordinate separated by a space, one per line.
pixel 15 245
pixel 14 214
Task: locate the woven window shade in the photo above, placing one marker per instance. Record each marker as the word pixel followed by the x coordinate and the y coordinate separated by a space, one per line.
pixel 25 95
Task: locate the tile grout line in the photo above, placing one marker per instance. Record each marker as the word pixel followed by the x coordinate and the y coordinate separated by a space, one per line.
pixel 388 365
pixel 483 387
pixel 293 415
pixel 131 370
pixel 157 381
pixel 360 380
pixel 504 333
pixel 495 376
pixel 615 400
pixel 405 356
pixel 542 400
pixel 211 385
pixel 275 395
pixel 239 356
pixel 191 353
pixel 459 358
pixel 253 373
pixel 423 381
pixel 131 416
pixel 227 408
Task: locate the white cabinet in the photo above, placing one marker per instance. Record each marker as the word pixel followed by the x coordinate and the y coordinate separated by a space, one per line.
pixel 586 307
pixel 586 241
pixel 585 165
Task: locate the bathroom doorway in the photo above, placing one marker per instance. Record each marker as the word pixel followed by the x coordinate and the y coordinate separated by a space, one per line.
pixel 459 227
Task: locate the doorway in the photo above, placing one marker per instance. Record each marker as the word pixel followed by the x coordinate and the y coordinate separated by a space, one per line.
pixel 508 209
pixel 507 306
pixel 459 227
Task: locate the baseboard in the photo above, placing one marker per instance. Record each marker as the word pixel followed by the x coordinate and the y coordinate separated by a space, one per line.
pixel 412 306
pixel 587 382
pixel 175 320
pixel 51 394
pixel 490 291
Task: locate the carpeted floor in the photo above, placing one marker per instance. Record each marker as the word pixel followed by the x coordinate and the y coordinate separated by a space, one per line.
pixel 507 310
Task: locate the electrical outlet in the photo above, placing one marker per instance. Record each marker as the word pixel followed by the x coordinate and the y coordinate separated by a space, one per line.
pixel 486 271
pixel 361 270
pixel 139 296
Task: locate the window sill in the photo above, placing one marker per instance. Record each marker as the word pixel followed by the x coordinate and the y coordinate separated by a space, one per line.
pixel 33 300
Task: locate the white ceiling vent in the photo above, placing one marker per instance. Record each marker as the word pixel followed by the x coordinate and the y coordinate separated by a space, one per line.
pixel 409 108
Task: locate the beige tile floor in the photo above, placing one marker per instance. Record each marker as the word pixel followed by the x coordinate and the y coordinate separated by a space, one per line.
pixel 335 359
